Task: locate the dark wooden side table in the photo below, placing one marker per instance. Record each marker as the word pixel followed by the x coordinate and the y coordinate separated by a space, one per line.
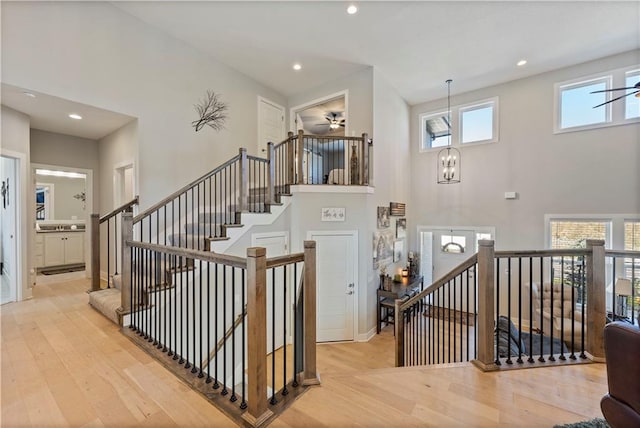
pixel 405 288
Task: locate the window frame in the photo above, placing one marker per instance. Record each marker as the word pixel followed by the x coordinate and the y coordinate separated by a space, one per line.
pixel 493 102
pixel 627 72
pixel 615 115
pixel 424 117
pixel 456 125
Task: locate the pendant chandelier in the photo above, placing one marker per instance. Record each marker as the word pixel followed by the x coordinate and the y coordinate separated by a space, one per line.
pixel 449 158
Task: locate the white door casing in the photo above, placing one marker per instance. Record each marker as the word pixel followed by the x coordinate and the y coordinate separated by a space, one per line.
pixel 336 282
pixel 9 232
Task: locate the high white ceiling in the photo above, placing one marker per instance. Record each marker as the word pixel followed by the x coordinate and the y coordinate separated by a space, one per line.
pixel 416 45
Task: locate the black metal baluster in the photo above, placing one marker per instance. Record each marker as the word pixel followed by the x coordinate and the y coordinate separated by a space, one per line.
pixel 243 404
pixel 194 369
pixel 285 307
pixel 216 385
pixel 233 397
pixel 115 240
pixel 497 352
pixel 200 373
pixel 530 359
pixel 520 350
pixel 108 254
pixel 208 354
pixel 295 324
pixel 540 296
pixel 582 323
pixel 182 332
pixel 562 338
pixel 273 337
pixel 224 331
pixel 508 361
pixel 467 316
pixel 551 306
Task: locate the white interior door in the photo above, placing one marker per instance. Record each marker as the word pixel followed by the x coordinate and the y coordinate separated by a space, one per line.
pixel 270 123
pixel 276 244
pixel 8 232
pixel 336 267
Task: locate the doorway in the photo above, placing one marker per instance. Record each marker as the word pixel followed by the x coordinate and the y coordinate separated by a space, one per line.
pixel 124 184
pixel 271 127
pixel 442 248
pixel 9 230
pixel 337 291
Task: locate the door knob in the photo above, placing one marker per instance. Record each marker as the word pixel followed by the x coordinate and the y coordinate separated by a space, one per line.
pixel 351 285
pixel 349 292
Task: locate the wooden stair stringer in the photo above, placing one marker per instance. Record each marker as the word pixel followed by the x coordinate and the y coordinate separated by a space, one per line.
pixel 249 220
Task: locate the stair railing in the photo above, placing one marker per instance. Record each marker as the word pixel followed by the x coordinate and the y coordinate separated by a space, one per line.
pixel 219 296
pixel 516 308
pixel 112 222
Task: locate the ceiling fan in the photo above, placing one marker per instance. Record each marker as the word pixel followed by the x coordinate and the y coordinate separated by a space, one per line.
pixel 334 122
pixel 636 91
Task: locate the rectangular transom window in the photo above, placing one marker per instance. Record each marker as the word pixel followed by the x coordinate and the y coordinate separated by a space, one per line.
pixel 577 102
pixel 435 130
pixel 574 233
pixel 477 123
pixel 632 102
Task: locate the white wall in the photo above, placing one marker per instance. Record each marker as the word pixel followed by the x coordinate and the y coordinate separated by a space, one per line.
pixel 65 205
pixel 96 54
pixel 585 172
pixel 66 151
pixel 391 161
pixel 115 151
pixel 15 143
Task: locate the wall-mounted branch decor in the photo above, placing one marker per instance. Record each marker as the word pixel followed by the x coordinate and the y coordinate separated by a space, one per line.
pixel 212 111
pixel 5 193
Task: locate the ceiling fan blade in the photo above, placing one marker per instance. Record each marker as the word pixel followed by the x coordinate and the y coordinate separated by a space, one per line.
pixel 616 99
pixel 342 124
pixel 328 119
pixel 636 86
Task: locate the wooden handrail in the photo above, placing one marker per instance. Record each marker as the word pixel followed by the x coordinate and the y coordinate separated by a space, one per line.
pixel 622 253
pixel 206 256
pixel 179 192
pixel 257 159
pixel 542 253
pixel 288 259
pixel 118 210
pixel 441 281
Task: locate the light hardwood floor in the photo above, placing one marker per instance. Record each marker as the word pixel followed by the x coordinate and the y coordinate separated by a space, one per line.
pixel 63 364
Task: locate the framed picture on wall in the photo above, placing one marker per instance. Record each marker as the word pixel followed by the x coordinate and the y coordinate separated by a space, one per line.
pixel 401 228
pixel 382 248
pixel 383 217
pixel 398 250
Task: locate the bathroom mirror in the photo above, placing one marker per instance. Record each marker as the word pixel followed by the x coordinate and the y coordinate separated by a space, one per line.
pixel 60 195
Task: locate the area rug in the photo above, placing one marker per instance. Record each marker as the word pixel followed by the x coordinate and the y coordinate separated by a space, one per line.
pixel 593 423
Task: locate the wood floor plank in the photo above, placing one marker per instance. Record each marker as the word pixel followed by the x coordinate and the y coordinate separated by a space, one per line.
pixel 63 364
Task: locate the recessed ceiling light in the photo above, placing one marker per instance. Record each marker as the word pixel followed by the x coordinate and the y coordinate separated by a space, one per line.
pixel 29 94
pixel 297 67
pixel 75 116
pixel 521 62
pixel 352 9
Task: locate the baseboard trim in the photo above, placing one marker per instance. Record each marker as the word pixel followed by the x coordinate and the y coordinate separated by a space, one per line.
pixel 365 337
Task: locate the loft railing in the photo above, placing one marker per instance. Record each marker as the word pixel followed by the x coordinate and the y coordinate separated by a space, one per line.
pixel 108 226
pixel 313 159
pixel 228 319
pixel 518 308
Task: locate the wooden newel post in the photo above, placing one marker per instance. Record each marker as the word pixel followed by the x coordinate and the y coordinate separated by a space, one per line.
pixel 257 405
pixel 95 252
pixel 596 307
pixel 310 374
pixel 368 162
pixel 486 306
pixel 126 234
pixel 243 198
pixel 300 157
pixel 271 177
pixel 398 325
pixel 364 163
pixel 290 162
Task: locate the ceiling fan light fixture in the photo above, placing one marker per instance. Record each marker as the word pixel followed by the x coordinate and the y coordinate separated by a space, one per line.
pixel 297 67
pixel 352 9
pixel 521 62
